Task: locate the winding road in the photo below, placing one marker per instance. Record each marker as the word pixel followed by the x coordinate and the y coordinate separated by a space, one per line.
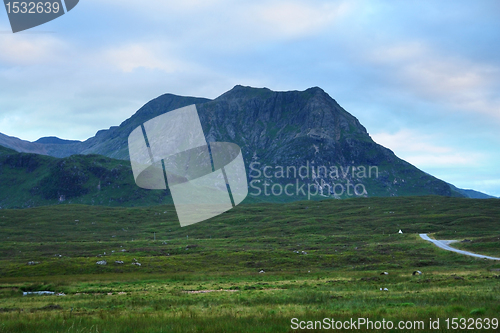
pixel 443 244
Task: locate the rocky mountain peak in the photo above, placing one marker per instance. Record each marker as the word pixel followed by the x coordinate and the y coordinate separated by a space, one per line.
pixel 287 129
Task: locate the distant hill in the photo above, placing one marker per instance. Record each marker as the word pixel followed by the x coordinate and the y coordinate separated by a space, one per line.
pixel 475 194
pixel 43 148
pixel 291 129
pixel 472 194
pixel 55 140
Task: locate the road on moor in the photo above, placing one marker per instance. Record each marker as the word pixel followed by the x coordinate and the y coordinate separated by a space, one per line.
pixel 444 244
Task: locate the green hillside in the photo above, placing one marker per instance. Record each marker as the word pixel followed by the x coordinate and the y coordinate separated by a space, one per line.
pixel 30 180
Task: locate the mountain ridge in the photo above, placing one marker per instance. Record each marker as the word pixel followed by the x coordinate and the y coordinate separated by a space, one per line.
pixel 55 140
pixel 288 128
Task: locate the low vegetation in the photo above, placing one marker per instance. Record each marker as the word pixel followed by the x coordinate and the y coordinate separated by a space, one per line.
pixel 251 269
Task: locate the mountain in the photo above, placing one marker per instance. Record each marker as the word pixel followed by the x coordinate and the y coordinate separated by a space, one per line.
pixel 278 132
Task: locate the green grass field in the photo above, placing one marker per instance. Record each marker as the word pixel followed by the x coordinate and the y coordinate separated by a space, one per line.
pixel 322 259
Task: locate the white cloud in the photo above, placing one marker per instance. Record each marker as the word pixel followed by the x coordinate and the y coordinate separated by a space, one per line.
pixel 422 150
pixel 453 81
pixel 31 49
pixel 141 55
pixel 409 141
pixel 294 18
pixel 444 160
pixel 235 22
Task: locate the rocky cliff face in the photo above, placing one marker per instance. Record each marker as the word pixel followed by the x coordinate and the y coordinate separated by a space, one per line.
pixel 285 127
pixel 285 131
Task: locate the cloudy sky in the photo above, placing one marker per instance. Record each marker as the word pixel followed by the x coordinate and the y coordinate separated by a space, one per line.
pixel 422 76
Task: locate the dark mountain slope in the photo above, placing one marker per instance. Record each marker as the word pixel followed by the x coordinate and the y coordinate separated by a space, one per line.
pixel 294 129
pixel 113 142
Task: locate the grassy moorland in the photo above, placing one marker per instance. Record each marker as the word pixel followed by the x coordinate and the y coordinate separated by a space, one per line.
pixel 322 259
